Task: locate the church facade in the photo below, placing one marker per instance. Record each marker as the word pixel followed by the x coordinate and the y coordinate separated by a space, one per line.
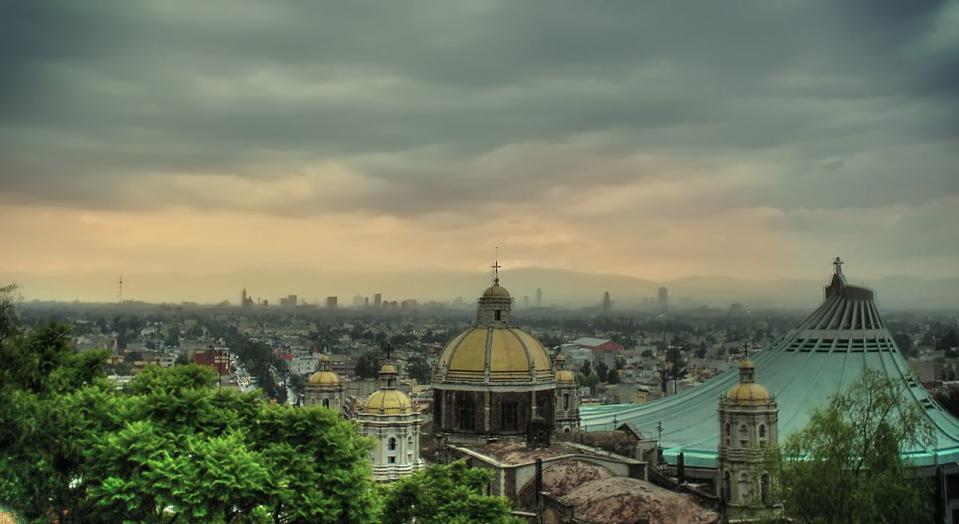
pixel 496 380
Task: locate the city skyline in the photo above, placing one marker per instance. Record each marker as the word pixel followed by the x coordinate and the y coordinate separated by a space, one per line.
pixel 652 141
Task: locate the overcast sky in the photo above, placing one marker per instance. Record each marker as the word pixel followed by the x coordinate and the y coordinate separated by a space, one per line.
pixel 659 140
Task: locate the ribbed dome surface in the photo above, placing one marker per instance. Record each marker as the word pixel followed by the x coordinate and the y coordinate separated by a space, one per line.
pixel 748 394
pixel 494 354
pixel 324 378
pixel 565 376
pixel 496 291
pixel 388 402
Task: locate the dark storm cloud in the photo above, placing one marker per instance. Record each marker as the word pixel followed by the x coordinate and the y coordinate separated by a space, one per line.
pixel 437 103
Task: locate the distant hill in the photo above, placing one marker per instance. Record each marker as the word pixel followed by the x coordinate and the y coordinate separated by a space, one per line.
pixel 560 287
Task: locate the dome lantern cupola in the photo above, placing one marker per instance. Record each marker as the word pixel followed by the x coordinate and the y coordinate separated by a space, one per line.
pixel 496 304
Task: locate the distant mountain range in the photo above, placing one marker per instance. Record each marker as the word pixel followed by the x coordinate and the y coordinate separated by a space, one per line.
pixel 560 288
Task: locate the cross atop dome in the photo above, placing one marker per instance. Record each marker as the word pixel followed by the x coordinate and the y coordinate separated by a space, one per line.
pixel 838 265
pixel 496 267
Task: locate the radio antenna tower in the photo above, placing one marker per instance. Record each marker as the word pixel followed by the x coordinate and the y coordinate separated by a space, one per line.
pixel 120 289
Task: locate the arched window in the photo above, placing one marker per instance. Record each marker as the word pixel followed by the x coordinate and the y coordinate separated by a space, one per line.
pixel 497 314
pixel 762 431
pixel 727 487
pixel 326 403
pixel 566 430
pixel 743 436
pixel 764 489
pixel 465 413
pixel 743 486
pixel 391 444
pixel 728 430
pixel 565 401
pixel 509 416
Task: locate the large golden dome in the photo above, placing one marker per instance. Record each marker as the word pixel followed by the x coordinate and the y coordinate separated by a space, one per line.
pixel 388 402
pixel 494 354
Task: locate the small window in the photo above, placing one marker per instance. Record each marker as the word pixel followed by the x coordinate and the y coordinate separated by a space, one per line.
pixel 391 444
pixel 727 487
pixel 326 403
pixel 565 401
pixel 565 430
pixel 496 314
pixel 728 430
pixel 764 490
pixel 465 413
pixel 762 431
pixel 391 459
pixel 509 416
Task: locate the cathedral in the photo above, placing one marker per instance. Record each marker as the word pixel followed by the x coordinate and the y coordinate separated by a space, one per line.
pixel 496 380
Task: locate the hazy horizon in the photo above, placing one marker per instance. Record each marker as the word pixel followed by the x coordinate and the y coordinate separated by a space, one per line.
pixel 656 141
pixel 560 287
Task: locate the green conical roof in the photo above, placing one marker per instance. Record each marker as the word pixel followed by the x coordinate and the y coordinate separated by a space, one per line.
pixel 822 356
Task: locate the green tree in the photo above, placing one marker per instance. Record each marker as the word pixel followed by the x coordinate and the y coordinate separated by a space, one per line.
pixel 298 384
pixel 366 365
pixel 420 369
pixel 602 370
pixel 613 376
pixel 452 493
pixel 168 447
pixel 904 342
pixel 846 465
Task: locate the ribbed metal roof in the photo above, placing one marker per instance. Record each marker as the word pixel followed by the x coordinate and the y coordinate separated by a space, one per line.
pixel 822 356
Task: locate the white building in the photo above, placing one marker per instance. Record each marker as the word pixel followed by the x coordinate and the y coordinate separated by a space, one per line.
pixel 390 420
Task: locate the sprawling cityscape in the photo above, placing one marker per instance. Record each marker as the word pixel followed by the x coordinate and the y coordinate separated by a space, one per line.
pixel 479 262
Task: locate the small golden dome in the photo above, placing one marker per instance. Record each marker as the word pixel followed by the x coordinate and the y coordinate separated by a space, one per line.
pixel 388 368
pixel 748 393
pixel 747 364
pixel 565 376
pixel 388 402
pixel 496 291
pixel 324 378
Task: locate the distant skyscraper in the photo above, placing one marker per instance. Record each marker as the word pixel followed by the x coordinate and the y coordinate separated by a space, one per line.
pixel 663 299
pixel 607 303
pixel 243 298
pixel 289 301
pixel 539 297
pixel 525 301
pixel 330 302
pixel 366 302
pixel 377 300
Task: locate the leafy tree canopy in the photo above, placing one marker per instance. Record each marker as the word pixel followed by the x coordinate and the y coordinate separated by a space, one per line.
pixel 846 465
pixel 453 493
pixel 168 447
